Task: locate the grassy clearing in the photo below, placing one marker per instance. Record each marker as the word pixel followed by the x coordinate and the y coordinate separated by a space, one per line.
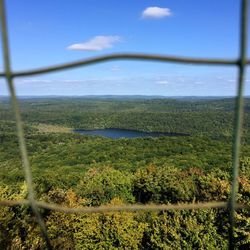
pixel 48 128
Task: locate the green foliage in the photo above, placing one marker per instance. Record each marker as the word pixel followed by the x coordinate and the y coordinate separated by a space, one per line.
pixel 100 186
pixel 195 116
pixel 166 184
pixel 18 228
pixel 242 229
pixel 197 229
pixel 245 167
pixel 212 187
pixel 96 231
pixel 75 171
pixel 183 230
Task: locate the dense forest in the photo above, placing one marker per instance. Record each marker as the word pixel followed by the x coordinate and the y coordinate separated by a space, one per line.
pixel 78 170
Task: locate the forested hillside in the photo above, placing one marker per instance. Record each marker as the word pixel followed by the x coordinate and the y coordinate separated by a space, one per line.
pixel 75 170
pixel 104 113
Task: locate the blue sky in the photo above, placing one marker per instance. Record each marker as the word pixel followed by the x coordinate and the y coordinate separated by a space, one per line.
pixel 46 32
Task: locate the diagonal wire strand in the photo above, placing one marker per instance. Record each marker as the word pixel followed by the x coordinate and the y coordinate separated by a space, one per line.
pixel 20 133
pixel 238 121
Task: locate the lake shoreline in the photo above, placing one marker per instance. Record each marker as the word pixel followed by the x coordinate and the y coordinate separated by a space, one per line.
pixel 117 133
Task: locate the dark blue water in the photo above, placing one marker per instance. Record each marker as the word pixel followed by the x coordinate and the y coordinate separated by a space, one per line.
pixel 125 133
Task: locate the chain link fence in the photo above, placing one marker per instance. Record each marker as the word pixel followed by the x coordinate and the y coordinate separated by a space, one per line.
pixel 240 63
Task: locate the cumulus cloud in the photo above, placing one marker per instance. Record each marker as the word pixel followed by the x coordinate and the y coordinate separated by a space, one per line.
pixel 156 13
pixel 97 43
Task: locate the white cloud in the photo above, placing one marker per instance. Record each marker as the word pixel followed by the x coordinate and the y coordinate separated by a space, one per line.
pixel 97 43
pixel 198 82
pixel 162 82
pixel 220 77
pixel 234 80
pixel 72 81
pixel 115 68
pixel 181 79
pixel 156 12
pixel 35 80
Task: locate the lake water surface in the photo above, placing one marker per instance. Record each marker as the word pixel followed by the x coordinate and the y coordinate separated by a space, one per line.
pixel 115 133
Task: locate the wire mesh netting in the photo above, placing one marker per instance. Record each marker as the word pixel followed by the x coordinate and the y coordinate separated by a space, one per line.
pixel 35 205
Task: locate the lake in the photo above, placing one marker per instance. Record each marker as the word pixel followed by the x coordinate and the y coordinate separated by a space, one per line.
pixel 115 133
